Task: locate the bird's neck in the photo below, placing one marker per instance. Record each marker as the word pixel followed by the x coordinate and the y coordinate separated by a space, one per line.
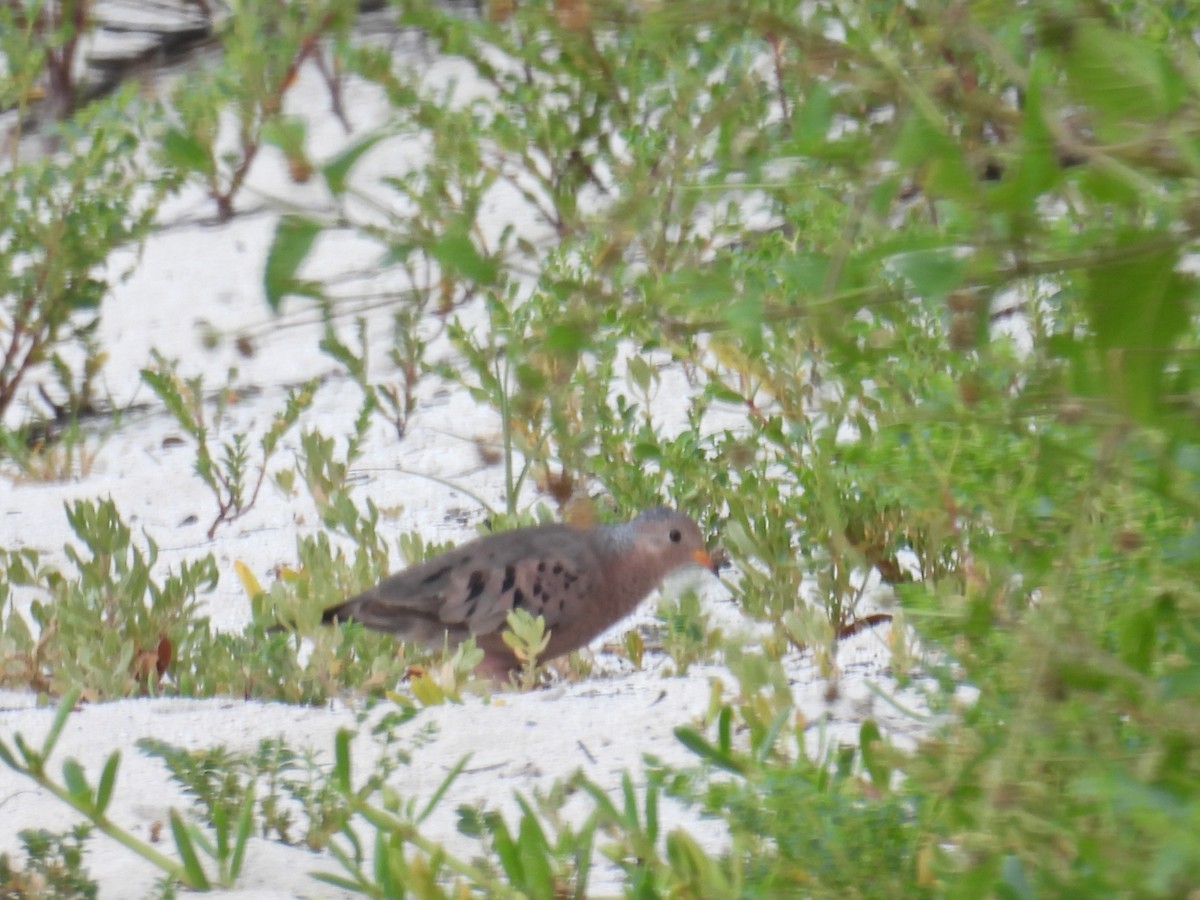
pixel 635 572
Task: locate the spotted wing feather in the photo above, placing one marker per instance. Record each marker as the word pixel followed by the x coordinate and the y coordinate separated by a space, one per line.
pixel 470 590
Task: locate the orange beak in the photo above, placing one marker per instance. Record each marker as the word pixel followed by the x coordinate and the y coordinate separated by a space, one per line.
pixel 705 560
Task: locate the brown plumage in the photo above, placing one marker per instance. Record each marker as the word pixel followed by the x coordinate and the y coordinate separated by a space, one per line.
pixel 580 581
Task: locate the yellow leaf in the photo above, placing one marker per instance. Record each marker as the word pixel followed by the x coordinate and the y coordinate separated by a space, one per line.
pixel 291 576
pixel 925 875
pixel 427 691
pixel 249 582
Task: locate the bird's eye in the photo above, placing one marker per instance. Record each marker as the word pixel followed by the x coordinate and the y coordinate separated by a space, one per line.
pixel 675 536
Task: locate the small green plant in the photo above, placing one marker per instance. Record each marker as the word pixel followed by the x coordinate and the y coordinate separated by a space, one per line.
pixel 580 665
pixel 763 704
pixel 803 826
pixel 41 455
pixel 810 628
pixel 306 782
pixel 444 682
pixel 543 855
pixel 115 628
pixel 225 793
pixel 110 625
pixel 404 861
pixel 327 478
pixel 61 217
pixel 631 827
pixel 633 648
pixel 226 788
pixel 395 403
pixel 527 637
pixel 54 444
pixel 228 477
pixel 262 790
pixel 491 361
pixel 250 83
pixel 686 635
pixel 92 803
pixel 53 867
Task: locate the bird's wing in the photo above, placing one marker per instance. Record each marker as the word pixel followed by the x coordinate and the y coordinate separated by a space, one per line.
pixel 470 590
pixel 544 581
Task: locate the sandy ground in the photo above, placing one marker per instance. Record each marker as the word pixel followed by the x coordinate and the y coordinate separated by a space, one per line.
pixel 194 276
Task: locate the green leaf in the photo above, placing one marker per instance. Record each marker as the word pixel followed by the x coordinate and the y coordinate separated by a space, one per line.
pixel 1139 308
pixel 502 841
pixel 691 864
pixel 388 869
pixel 1138 637
pixel 702 748
pixel 396 253
pixel 76 782
pixel 567 337
pixel 442 788
pixel 725 729
pixel 869 743
pixel 932 273
pixel 286 133
pixel 1119 74
pixel 193 872
pixel 604 803
pixel 651 812
pixel 244 828
pixel 456 252
pixel 108 778
pixel 772 734
pixel 65 705
pixel 701 289
pixel 220 827
pixel 644 451
pixel 744 316
pixel 185 152
pixel 33 760
pixel 811 121
pixel 941 162
pixel 1035 169
pixel 1014 884
pixel 630 802
pixel 534 850
pixel 294 237
pixel 337 170
pixel 341 761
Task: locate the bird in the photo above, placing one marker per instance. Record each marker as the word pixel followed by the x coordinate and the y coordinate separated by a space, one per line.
pixel 580 581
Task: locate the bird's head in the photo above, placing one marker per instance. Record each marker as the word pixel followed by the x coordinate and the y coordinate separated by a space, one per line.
pixel 670 537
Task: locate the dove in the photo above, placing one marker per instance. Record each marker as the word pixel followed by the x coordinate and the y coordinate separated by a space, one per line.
pixel 580 581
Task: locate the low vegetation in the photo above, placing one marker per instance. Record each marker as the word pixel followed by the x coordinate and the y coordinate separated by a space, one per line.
pixel 925 275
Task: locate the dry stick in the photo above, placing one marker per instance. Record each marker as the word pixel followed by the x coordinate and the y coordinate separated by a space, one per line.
pixel 333 81
pixel 241 508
